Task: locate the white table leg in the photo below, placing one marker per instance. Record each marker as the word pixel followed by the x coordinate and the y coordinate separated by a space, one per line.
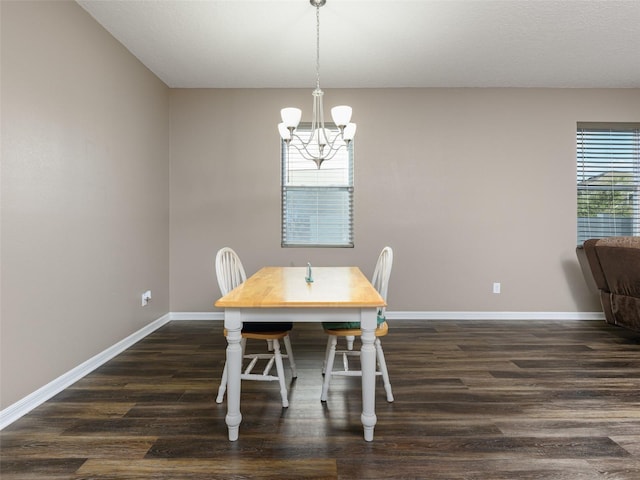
pixel 368 365
pixel 233 324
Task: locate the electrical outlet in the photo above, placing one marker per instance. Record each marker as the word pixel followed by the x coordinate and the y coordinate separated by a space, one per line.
pixel 496 287
pixel 146 297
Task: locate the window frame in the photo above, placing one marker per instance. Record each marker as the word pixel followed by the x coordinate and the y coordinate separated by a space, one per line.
pixel 607 180
pixel 326 193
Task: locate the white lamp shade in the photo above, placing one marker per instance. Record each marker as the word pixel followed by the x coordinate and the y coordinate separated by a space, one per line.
pixel 285 134
pixel 341 115
pixel 349 132
pixel 291 116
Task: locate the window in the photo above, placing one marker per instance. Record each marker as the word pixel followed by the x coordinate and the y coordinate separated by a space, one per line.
pixel 317 203
pixel 608 160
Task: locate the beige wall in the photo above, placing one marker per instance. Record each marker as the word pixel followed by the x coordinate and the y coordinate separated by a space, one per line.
pixel 85 193
pixel 469 186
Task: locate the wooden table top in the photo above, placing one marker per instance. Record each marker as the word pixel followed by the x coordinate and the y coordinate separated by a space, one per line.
pixel 285 287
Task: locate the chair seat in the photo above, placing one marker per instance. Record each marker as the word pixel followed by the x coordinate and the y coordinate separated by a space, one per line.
pixel 261 335
pixel 265 331
pixel 350 325
pixel 381 331
pixel 267 327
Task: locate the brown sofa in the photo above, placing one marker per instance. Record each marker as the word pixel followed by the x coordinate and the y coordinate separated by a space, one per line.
pixel 615 266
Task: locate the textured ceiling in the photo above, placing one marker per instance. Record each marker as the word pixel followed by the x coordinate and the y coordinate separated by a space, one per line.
pixel 381 43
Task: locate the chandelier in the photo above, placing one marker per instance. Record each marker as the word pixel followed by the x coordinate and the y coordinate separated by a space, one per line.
pixel 321 144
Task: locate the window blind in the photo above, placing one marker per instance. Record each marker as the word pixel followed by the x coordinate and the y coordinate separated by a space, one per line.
pixel 608 180
pixel 317 204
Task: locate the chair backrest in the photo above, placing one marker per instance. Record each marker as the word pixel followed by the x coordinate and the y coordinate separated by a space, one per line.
pixel 382 272
pixel 229 270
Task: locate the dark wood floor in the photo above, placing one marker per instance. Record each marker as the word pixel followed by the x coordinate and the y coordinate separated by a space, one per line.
pixel 474 400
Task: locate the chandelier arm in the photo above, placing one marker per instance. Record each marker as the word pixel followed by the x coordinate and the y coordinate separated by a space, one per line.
pixel 333 152
pixel 308 156
pixel 302 148
pixel 317 121
pixel 331 141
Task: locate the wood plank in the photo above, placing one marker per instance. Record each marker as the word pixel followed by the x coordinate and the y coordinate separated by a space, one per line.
pixel 256 468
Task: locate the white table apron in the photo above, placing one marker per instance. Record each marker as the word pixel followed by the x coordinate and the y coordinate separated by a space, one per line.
pixel 235 317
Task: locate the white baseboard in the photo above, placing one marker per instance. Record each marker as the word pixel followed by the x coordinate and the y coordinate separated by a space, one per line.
pixel 197 315
pixel 409 315
pixel 494 315
pixel 31 401
pixel 25 405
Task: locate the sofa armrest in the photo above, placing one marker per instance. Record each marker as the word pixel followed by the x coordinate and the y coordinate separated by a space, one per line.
pixel 597 273
pixel 583 261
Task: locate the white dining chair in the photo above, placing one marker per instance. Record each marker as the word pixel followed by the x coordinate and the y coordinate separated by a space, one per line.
pixel 351 330
pixel 230 274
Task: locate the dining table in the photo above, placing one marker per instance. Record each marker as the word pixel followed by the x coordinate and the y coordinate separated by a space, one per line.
pixel 302 294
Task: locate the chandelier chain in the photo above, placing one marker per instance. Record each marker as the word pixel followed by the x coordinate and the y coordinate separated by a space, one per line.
pixel 318 46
